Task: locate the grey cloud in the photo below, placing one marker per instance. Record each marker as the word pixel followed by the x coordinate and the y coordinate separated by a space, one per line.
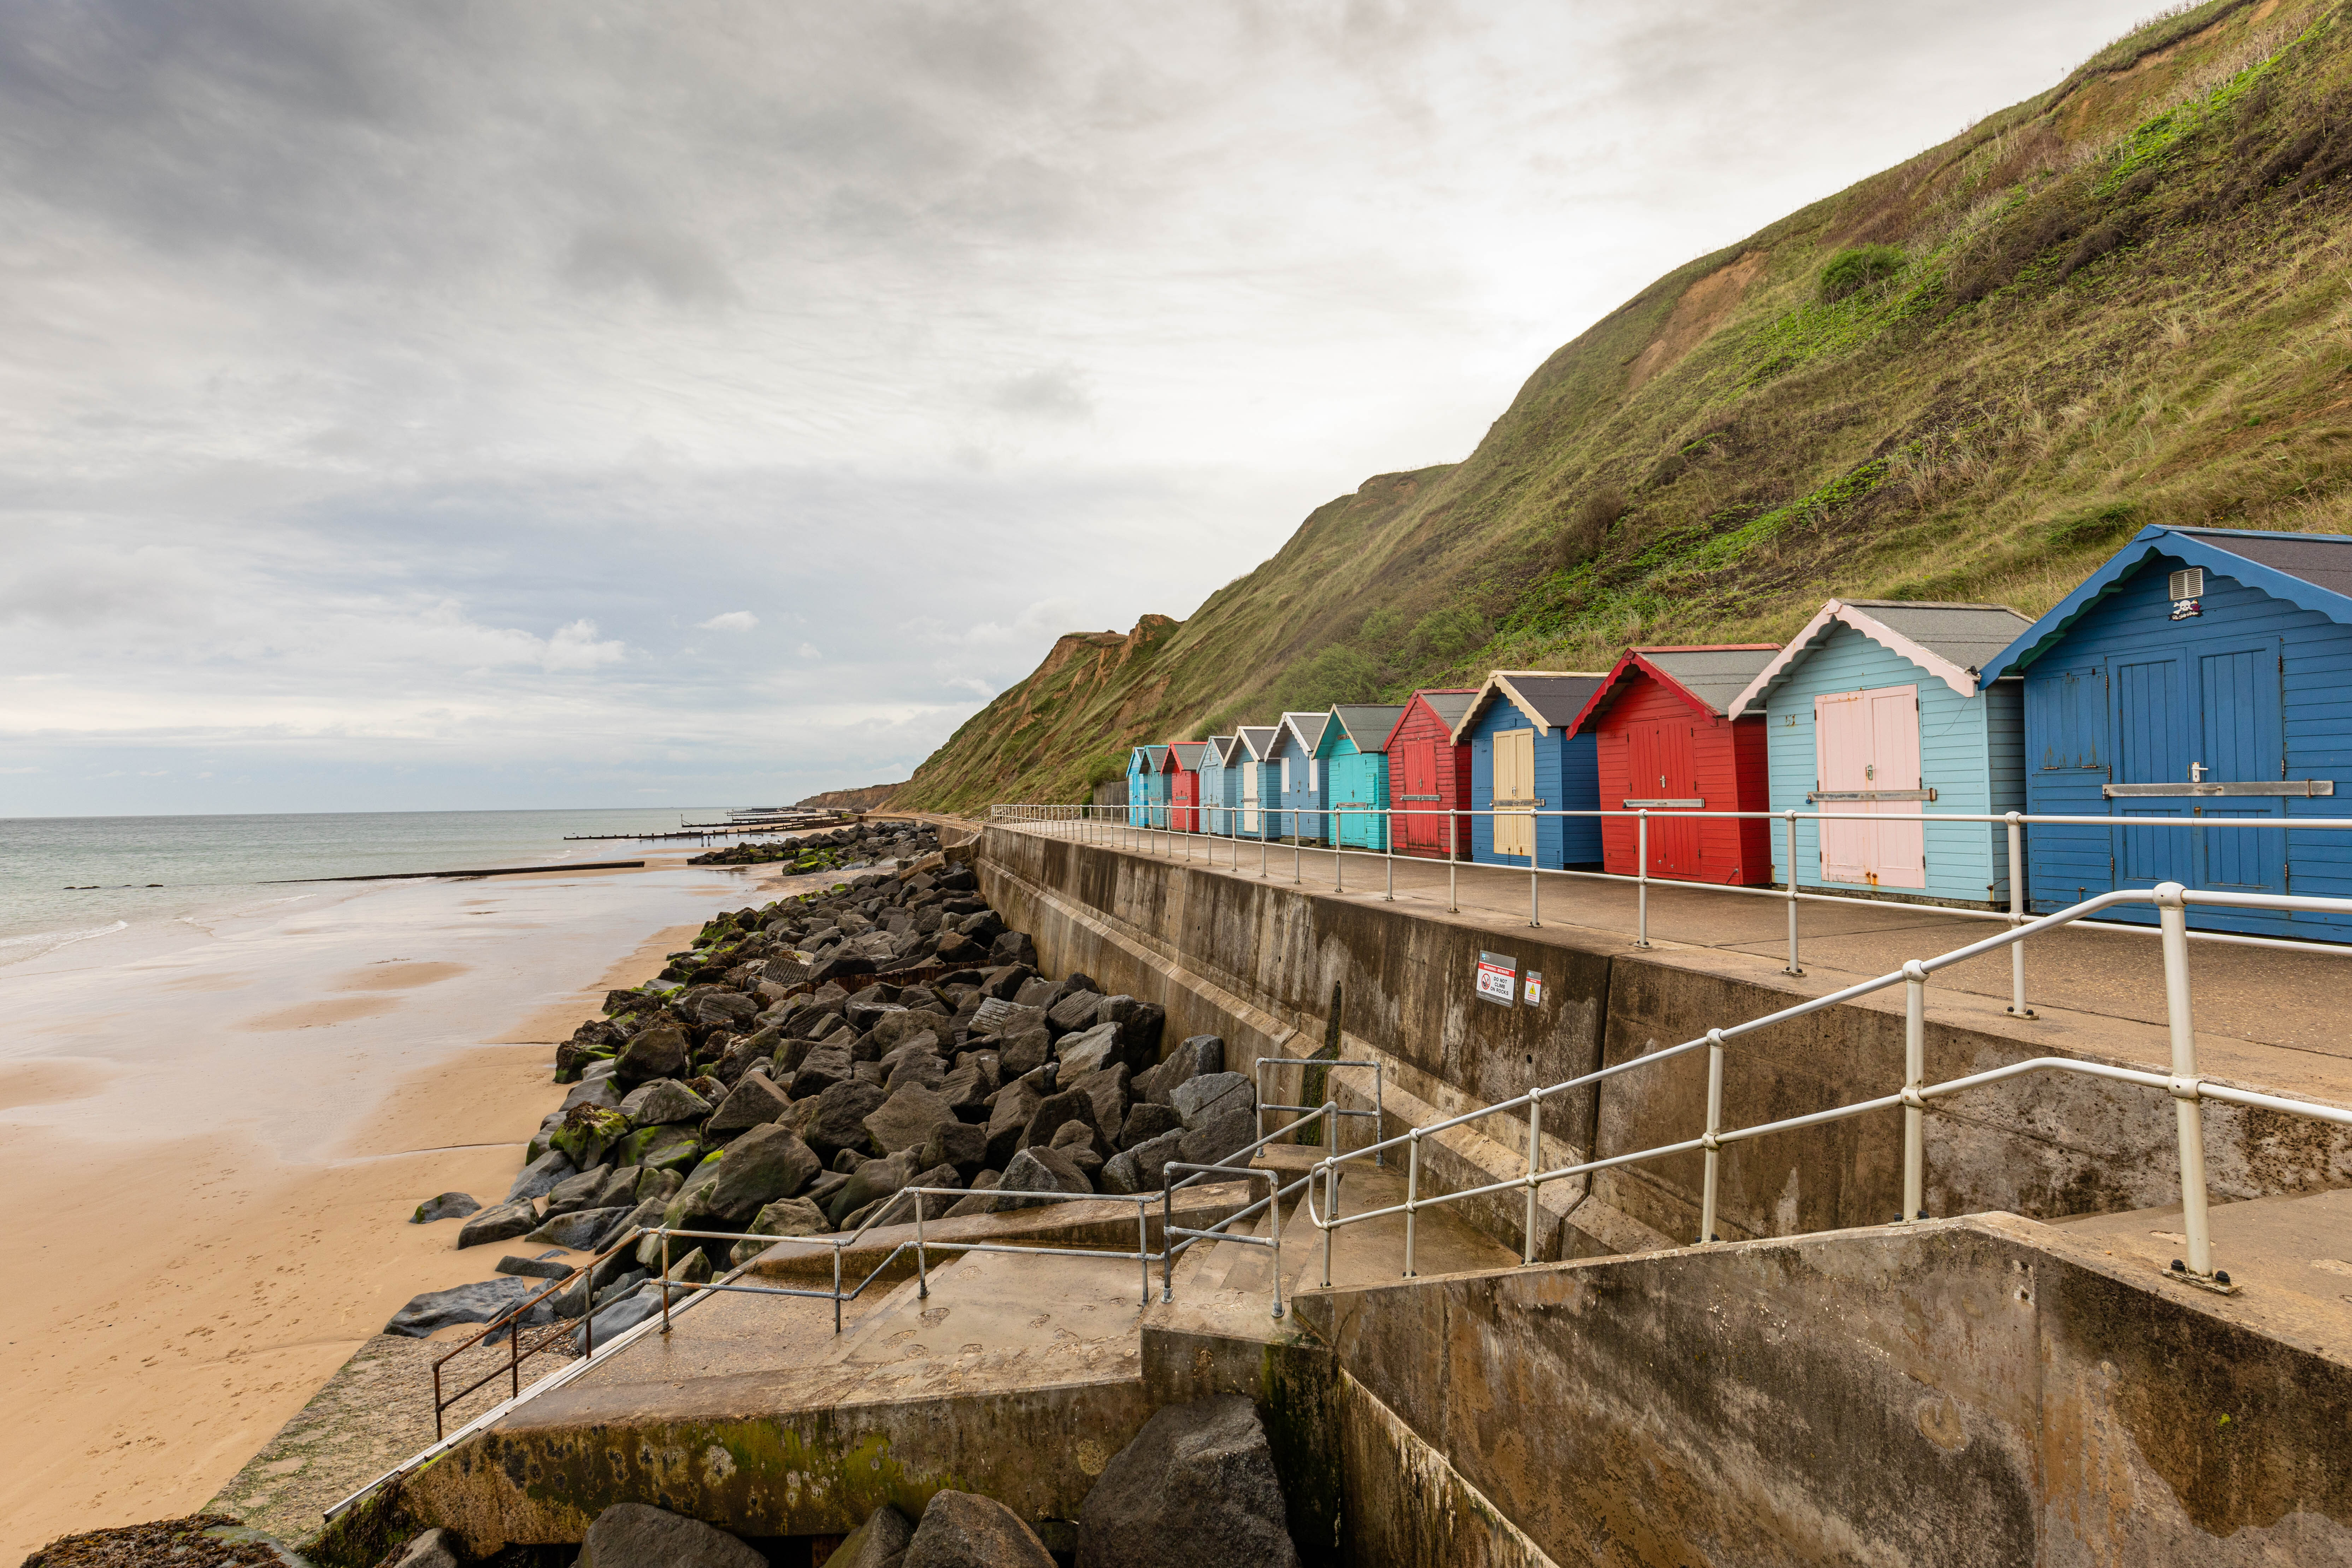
pixel 673 266
pixel 1044 394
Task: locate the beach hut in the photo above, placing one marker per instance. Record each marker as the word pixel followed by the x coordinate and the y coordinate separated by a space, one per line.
pixel 1429 774
pixel 1354 754
pixel 1216 816
pixel 1181 767
pixel 1255 786
pixel 1300 777
pixel 2199 674
pixel 1155 786
pixel 1664 740
pixel 1876 708
pixel 1142 770
pixel 1518 732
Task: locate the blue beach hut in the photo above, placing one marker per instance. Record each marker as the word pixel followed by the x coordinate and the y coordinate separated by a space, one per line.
pixel 1876 708
pixel 2198 675
pixel 1253 785
pixel 1216 816
pixel 1354 754
pixel 1300 777
pixel 1155 785
pixel 1522 754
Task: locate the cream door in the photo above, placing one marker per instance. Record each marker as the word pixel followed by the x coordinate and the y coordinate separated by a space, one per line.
pixel 1514 786
pixel 1252 770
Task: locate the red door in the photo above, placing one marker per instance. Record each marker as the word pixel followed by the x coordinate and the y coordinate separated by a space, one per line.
pixel 1660 765
pixel 1424 832
pixel 1187 801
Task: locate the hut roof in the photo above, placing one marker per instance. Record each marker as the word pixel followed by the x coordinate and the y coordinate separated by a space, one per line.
pixel 1366 723
pixel 1307 727
pixel 1549 697
pixel 2313 571
pixel 1257 740
pixel 1183 756
pixel 1709 676
pixel 1950 642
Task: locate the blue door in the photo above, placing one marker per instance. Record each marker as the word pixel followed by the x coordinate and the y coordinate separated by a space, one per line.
pixel 2152 746
pixel 2243 740
pixel 2201 715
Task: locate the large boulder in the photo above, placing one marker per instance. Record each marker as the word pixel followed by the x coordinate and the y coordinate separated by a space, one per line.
pixel 1013 947
pixel 633 1535
pixel 539 1177
pixel 1200 1099
pixel 1147 1121
pixel 880 1543
pixel 1221 1138
pixel 1056 1110
pixel 1039 1169
pixel 600 1187
pixel 754 1101
pixel 475 1303
pixel 663 1101
pixel 1024 1051
pixel 1144 1168
pixel 582 1230
pixel 503 1223
pixel 873 1181
pixel 763 1165
pixel 667 1148
pixel 962 1530
pixel 957 1144
pixel 788 1216
pixel 1196 1488
pixel 448 1205
pixel 907 1118
pixel 658 1052
pixel 839 1120
pixel 1074 1011
pixel 822 1068
pixel 1008 1121
pixel 724 1009
pixel 434 1549
pixel 1088 1051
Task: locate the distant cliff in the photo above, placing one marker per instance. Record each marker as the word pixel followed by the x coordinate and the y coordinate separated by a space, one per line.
pixel 865 799
pixel 1969 377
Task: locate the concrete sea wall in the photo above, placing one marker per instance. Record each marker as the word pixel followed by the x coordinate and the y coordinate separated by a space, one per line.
pixel 1259 962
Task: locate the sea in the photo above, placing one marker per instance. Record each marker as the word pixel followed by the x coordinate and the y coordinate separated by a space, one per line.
pixel 66 879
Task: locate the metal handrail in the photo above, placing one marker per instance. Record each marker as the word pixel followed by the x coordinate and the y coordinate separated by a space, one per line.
pixel 1377 1114
pixel 2186 1089
pixel 1091 822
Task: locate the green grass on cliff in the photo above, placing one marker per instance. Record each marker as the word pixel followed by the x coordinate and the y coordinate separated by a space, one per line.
pixel 2124 302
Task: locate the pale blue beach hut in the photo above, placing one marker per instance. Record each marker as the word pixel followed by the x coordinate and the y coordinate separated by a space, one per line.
pixel 1300 777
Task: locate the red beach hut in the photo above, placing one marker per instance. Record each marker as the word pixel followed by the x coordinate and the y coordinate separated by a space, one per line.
pixel 1428 773
pixel 1182 767
pixel 1665 741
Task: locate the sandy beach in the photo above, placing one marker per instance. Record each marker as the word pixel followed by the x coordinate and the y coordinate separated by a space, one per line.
pixel 213 1132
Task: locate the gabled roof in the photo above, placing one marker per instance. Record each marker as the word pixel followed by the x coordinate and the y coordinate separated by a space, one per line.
pixel 1448 703
pixel 1709 676
pixel 1366 723
pixel 1256 741
pixel 1155 757
pixel 1950 642
pixel 1219 748
pixel 2313 571
pixel 1140 757
pixel 1308 729
pixel 1182 756
pixel 1549 697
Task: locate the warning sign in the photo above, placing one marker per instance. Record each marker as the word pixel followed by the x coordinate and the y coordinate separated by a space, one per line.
pixel 1535 989
pixel 1498 977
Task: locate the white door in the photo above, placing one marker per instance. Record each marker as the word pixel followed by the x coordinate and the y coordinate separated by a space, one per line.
pixel 1251 773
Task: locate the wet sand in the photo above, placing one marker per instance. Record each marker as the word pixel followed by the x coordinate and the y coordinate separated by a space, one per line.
pixel 211 1135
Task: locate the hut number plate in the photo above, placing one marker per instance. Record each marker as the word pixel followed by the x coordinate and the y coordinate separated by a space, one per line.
pixel 1498 977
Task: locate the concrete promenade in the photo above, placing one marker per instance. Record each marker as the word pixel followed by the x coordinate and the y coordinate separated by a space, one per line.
pixel 2265 1014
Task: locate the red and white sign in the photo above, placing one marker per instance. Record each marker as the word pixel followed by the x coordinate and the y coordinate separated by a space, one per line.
pixel 1498 977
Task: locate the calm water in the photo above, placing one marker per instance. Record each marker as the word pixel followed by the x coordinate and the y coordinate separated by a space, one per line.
pixel 47 864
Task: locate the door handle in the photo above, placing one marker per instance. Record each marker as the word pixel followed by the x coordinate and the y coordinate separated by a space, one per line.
pixel 2196 773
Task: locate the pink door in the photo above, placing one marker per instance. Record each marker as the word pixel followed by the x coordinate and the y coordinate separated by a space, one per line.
pixel 1867 743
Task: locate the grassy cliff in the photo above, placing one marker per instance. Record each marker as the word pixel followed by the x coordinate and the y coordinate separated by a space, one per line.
pixel 2124 302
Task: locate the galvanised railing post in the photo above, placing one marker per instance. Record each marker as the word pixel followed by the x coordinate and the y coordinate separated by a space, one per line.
pixel 2017 1008
pixel 1143 1244
pixel 1535 881
pixel 1914 1074
pixel 1641 878
pixel 1706 1200
pixel 2189 1114
pixel 1535 1163
pixel 1274 1218
pixel 1452 863
pixel 1339 848
pixel 1261 850
pixel 1793 967
pixel 922 1274
pixel 1168 1230
pixel 1330 1181
pixel 1388 842
pixel 665 1289
pixel 1411 1194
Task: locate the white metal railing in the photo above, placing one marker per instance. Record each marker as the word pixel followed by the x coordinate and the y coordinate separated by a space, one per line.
pixel 2186 1088
pixel 1160 833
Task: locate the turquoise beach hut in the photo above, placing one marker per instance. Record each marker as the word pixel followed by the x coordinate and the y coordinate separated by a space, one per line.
pixel 1354 754
pixel 1300 774
pixel 1254 785
pixel 1878 709
pixel 1141 771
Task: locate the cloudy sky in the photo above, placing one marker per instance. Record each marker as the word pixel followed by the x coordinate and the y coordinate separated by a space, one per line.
pixel 466 404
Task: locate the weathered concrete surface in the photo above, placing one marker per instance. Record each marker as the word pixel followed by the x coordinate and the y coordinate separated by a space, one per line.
pixel 1985 1391
pixel 1255 960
